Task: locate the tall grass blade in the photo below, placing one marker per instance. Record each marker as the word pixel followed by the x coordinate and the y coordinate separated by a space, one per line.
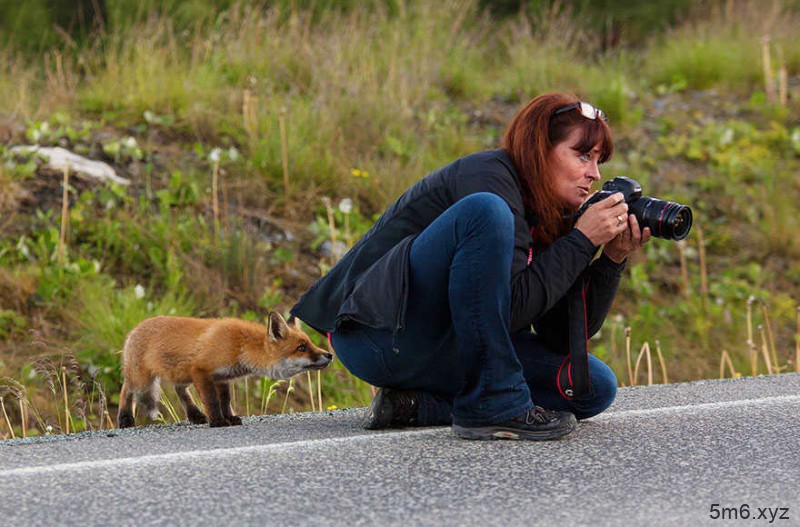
pixel 765 351
pixel 23 418
pixel 751 345
pixel 770 337
pixel 67 416
pixel 685 286
pixel 331 228
pixel 645 351
pixel 319 390
pixel 289 390
pixel 725 360
pixel 769 78
pixel 797 344
pixel 627 354
pixel 284 152
pixel 8 421
pixel 170 408
pixel 662 362
pixel 215 196
pixel 311 394
pixel 703 264
pixel 783 79
pixel 246 396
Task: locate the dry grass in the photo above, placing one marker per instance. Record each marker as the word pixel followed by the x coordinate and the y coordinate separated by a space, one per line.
pixel 392 93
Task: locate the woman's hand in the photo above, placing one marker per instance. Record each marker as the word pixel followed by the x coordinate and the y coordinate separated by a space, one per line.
pixel 605 220
pixel 627 241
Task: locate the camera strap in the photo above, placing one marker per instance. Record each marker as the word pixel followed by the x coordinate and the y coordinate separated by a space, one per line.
pixel 573 375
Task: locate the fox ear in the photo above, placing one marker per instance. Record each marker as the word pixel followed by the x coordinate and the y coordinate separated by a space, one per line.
pixel 294 321
pixel 277 328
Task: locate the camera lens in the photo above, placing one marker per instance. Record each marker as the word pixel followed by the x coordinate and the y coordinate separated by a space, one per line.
pixel 666 219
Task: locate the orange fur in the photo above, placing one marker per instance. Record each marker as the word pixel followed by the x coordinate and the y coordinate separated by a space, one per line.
pixel 208 353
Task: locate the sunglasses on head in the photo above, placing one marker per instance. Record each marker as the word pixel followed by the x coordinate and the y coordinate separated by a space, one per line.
pixel 586 109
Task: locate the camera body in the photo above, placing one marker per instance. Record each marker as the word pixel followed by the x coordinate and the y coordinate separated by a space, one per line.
pixel 666 219
pixel 630 188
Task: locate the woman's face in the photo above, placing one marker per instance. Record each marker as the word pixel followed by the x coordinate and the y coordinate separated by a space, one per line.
pixel 574 171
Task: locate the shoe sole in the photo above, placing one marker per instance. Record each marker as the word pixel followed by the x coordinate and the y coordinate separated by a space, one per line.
pixel 495 432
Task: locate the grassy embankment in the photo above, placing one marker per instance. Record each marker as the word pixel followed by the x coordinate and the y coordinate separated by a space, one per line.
pixel 279 112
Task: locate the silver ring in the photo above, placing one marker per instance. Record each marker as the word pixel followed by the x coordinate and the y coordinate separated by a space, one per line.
pixel 619 220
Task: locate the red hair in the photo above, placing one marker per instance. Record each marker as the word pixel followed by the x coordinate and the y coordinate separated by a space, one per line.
pixel 531 135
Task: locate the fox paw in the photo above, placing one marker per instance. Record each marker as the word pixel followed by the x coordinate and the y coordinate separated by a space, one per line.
pixel 197 418
pixel 125 421
pixel 235 420
pixel 217 423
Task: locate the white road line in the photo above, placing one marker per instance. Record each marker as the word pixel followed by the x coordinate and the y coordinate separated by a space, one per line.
pixel 701 406
pixel 205 455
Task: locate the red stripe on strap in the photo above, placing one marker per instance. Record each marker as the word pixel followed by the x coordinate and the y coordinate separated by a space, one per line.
pixel 530 250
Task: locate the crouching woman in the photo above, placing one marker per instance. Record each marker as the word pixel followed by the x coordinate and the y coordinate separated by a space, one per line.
pixel 435 303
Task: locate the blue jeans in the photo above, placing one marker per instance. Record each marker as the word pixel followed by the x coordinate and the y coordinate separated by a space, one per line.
pixel 456 350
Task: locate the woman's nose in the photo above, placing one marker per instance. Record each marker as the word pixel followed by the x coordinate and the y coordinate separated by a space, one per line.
pixel 593 171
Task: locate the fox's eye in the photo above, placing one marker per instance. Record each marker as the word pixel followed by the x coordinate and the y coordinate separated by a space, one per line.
pixel 301 348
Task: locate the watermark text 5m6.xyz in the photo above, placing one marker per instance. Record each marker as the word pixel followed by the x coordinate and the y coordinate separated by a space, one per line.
pixel 745 512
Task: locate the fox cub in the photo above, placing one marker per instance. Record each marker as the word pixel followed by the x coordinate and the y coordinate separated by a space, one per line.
pixel 208 353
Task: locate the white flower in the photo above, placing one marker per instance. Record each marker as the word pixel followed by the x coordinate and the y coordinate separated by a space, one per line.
pixel 795 137
pixel 129 142
pixel 727 137
pixel 215 155
pixel 233 154
pixel 346 205
pixel 139 291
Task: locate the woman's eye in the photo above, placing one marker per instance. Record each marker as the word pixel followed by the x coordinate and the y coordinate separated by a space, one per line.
pixel 585 157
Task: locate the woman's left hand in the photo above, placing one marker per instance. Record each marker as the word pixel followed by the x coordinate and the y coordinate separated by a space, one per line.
pixel 627 241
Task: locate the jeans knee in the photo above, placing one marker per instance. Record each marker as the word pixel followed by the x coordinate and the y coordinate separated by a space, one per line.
pixel 604 391
pixel 491 212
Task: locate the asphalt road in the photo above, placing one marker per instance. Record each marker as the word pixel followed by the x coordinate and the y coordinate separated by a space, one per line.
pixel 662 455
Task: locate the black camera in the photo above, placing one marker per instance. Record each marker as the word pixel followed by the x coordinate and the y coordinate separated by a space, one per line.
pixel 666 219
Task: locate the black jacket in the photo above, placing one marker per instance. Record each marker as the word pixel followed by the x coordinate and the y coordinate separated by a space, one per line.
pixel 369 285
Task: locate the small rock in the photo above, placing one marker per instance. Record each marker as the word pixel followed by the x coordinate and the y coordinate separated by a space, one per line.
pixel 60 158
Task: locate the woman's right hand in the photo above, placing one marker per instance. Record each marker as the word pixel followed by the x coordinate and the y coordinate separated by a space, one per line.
pixel 604 220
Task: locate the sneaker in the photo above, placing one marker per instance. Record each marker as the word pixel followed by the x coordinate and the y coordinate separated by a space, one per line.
pixel 537 424
pixel 391 409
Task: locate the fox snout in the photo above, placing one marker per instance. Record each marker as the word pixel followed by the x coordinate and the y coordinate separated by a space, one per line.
pixel 291 366
pixel 322 360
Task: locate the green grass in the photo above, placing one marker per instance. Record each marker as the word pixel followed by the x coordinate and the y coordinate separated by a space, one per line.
pixel 725 50
pixel 392 90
